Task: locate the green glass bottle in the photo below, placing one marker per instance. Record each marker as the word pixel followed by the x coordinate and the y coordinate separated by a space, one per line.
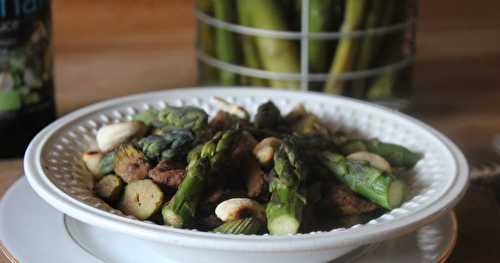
pixel 26 73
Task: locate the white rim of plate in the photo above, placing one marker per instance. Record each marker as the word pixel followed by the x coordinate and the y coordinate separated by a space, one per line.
pixel 192 238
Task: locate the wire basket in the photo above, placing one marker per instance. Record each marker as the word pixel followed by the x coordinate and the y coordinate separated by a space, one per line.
pixel 358 48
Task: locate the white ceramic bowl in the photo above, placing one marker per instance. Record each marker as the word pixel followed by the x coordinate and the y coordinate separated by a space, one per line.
pixel 55 171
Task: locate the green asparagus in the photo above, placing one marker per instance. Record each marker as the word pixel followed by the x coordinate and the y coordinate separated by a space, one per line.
pixel 347 47
pixel 181 209
pixel 324 16
pixel 219 148
pixel 382 87
pixel 226 44
pixel 252 60
pixel 206 39
pixel 268 116
pixel 277 55
pixel 379 187
pixel 245 226
pixel 175 117
pixel 284 210
pixel 369 43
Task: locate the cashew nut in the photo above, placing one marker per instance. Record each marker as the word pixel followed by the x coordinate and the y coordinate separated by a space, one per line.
pixel 234 109
pixel 92 160
pixel 264 150
pixel 237 208
pixel 111 136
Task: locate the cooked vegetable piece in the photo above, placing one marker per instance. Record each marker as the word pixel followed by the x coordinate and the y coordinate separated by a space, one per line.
pixel 264 150
pixel 130 164
pixel 396 155
pixel 92 160
pixel 149 117
pixel 107 163
pixel 175 117
pixel 220 147
pixel 183 117
pixel 142 199
pixel 152 146
pixel 238 208
pixel 245 226
pixel 268 116
pixel 180 143
pixel 194 154
pixel 168 144
pixel 111 136
pixel 374 184
pixel 168 173
pixel 284 210
pixel 109 188
pixel 208 223
pixel 181 209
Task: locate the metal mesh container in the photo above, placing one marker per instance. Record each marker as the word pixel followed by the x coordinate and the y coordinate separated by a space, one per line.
pixel 358 48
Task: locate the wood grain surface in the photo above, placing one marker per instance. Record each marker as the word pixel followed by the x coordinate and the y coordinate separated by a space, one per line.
pixel 113 48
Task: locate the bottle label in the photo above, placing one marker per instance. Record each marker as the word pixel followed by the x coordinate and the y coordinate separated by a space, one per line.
pixel 26 81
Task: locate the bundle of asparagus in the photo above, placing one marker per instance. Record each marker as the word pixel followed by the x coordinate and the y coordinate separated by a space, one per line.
pixel 274 174
pixel 350 53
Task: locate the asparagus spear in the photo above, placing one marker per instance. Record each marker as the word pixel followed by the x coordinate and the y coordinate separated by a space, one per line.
pixel 250 53
pixel 284 210
pixel 277 55
pixel 383 86
pixel 378 186
pixel 369 43
pixel 169 144
pixel 245 226
pixel 347 47
pixel 181 209
pixel 226 44
pixel 396 155
pixel 207 74
pixel 252 60
pixel 268 116
pixel 187 117
pixel 324 16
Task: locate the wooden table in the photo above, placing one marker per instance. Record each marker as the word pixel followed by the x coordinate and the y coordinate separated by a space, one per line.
pixel 112 48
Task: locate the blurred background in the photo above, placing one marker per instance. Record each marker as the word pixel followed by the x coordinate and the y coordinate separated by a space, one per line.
pixel 112 48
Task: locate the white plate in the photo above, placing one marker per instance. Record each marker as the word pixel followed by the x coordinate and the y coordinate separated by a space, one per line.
pixel 55 171
pixel 35 232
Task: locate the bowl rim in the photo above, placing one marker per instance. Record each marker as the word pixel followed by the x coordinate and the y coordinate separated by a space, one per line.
pixel 206 240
